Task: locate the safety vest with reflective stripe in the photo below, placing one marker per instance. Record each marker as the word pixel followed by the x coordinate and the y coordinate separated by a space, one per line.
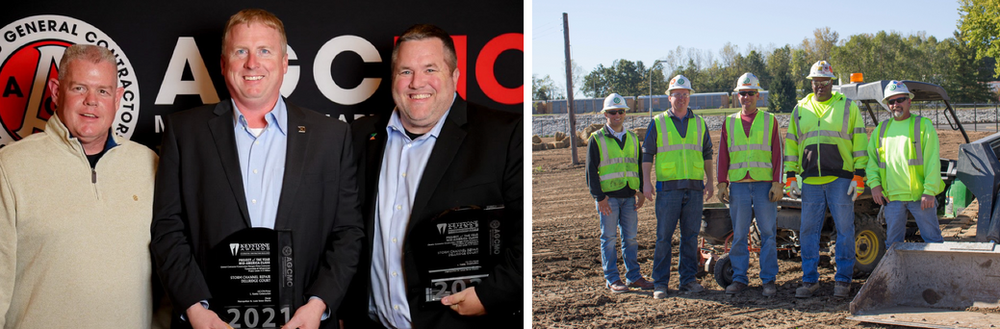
pixel 833 128
pixel 679 158
pixel 619 166
pixel 917 158
pixel 915 182
pixel 750 154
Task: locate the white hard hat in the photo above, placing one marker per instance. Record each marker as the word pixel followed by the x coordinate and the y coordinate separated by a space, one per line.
pixel 747 81
pixel 679 82
pixel 613 102
pixel 821 69
pixel 896 88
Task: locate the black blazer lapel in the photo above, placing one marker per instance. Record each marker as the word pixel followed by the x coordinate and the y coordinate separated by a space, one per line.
pixel 448 142
pixel 295 153
pixel 225 142
pixel 373 153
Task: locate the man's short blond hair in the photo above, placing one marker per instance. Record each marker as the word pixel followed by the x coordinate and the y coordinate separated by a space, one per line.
pixel 86 52
pixel 260 16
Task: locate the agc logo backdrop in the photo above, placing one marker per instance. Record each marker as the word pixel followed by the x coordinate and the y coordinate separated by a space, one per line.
pixel 168 55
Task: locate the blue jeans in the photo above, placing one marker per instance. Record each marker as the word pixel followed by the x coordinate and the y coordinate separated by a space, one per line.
pixel 623 216
pixel 895 220
pixel 815 199
pixel 749 200
pixel 672 206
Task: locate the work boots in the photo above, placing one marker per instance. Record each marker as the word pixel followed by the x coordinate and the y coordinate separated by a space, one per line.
pixel 842 289
pixel 806 290
pixel 617 287
pixel 642 284
pixel 735 288
pixel 692 287
pixel 770 289
pixel 660 293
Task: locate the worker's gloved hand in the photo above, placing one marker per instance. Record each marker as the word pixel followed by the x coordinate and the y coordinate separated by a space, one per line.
pixel 792 188
pixel 723 188
pixel 775 193
pixel 857 187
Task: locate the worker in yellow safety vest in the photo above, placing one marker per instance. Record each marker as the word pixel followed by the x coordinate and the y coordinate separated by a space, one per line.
pixel 678 141
pixel 903 168
pixel 825 145
pixel 750 181
pixel 613 177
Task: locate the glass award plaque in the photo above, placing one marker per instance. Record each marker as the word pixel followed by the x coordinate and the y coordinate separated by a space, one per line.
pixel 251 278
pixel 457 249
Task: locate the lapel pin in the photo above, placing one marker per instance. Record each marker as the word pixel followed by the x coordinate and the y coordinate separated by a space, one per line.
pixel 302 129
pixel 372 137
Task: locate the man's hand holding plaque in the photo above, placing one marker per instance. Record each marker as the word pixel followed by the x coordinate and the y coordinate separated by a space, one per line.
pixel 456 251
pixel 308 316
pixel 203 318
pixel 250 277
pixel 465 302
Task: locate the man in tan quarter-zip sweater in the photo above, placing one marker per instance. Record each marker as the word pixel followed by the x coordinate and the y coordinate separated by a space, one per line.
pixel 75 210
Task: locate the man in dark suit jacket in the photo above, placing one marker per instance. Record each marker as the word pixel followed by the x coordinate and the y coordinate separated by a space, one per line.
pixel 204 189
pixel 475 159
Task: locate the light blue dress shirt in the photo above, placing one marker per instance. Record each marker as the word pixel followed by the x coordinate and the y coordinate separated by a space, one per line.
pixel 403 165
pixel 262 163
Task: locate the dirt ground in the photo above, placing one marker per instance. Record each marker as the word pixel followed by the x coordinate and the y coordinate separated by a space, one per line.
pixel 568 287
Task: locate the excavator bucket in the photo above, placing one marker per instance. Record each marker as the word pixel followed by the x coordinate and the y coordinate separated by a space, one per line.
pixel 933 285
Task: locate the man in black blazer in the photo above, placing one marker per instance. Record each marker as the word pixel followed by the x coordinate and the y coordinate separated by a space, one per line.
pixel 442 153
pixel 300 176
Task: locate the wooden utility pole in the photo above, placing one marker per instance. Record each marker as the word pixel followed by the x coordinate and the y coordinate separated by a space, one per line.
pixel 569 92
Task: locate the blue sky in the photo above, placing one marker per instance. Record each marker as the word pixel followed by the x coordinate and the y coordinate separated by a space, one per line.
pixel 602 31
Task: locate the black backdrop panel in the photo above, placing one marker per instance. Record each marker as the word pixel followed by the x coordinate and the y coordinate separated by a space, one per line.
pixel 342 54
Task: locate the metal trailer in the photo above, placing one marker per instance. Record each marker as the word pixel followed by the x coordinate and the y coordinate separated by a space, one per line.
pixel 541 107
pixel 702 101
pixel 558 106
pixel 660 103
pixel 869 226
pixel 586 105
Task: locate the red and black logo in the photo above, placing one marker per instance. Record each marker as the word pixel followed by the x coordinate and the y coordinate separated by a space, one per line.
pixel 26 102
pixel 30 51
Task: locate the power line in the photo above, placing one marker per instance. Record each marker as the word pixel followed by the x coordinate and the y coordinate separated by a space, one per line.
pixel 550 24
pixel 545 29
pixel 536 34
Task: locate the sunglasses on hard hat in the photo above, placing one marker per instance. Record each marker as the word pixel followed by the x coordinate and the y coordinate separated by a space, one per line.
pixel 897 100
pixel 748 93
pixel 823 83
pixel 615 112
